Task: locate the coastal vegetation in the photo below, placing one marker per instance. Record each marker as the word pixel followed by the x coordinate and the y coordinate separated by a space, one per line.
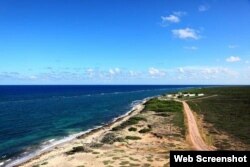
pixel 162 114
pixel 145 130
pixel 95 145
pixel 110 138
pixel 227 109
pixel 130 121
pixel 132 129
pixel 44 163
pixel 144 138
pixel 132 138
pixel 166 108
pixel 77 150
pixel 163 105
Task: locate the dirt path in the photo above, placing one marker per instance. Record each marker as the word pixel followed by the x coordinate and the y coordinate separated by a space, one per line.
pixel 193 130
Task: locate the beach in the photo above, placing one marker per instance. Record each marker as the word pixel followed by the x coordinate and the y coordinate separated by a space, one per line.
pixel 138 149
pixel 35 119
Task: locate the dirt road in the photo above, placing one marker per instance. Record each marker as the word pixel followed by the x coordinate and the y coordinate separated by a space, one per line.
pixel 193 130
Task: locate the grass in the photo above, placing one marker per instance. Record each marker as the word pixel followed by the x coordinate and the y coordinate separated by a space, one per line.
pixel 162 105
pixel 132 138
pixel 228 111
pixel 178 120
pixel 131 121
pixel 165 109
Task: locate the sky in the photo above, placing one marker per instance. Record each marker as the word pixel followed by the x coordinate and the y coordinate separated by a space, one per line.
pixel 124 42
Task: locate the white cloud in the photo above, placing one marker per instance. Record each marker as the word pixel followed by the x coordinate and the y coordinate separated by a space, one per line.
pixel 191 47
pixel 114 71
pixel 232 59
pixel 203 8
pixel 154 72
pixel 205 72
pixel 232 46
pixel 181 70
pixel 154 75
pixel 175 17
pixel 170 18
pixel 186 33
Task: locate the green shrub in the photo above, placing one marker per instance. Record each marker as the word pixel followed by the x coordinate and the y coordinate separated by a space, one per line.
pixel 162 114
pixel 130 121
pixel 116 128
pixel 163 106
pixel 145 130
pixel 95 145
pixel 132 138
pixel 166 108
pixel 35 165
pixel 132 129
pixel 119 139
pixel 77 150
pixel 44 163
pixel 228 111
pixel 110 138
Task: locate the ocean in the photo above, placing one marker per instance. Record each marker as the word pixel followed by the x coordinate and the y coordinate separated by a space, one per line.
pixel 35 118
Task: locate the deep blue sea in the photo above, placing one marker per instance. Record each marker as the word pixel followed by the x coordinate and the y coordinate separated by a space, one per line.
pixel 35 117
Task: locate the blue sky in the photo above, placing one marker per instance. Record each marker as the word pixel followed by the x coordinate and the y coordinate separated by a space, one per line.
pixel 124 42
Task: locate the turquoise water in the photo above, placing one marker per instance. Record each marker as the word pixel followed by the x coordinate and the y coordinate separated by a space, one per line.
pixel 35 117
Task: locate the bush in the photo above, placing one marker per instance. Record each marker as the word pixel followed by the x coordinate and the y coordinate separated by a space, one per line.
pixel 132 138
pixel 44 163
pixel 119 139
pixel 130 121
pixel 77 150
pixel 132 129
pixel 145 130
pixel 163 106
pixel 110 138
pixel 162 114
pixel 116 128
pixel 95 145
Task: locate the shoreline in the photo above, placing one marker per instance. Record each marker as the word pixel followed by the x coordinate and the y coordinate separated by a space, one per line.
pixel 90 133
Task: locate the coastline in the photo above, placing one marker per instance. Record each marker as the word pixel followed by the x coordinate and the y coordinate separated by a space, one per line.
pixel 88 134
pixel 136 139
